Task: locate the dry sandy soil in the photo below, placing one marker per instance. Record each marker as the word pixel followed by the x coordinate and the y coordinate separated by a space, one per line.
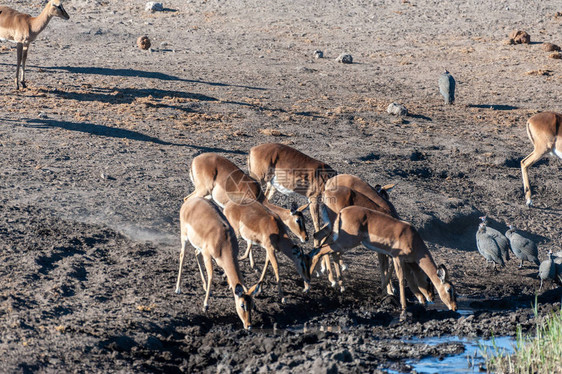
pixel 94 165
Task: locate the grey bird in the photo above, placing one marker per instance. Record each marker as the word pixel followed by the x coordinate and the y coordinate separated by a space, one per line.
pixel 447 87
pixel 524 249
pixel 547 269
pixel 500 238
pixel 488 247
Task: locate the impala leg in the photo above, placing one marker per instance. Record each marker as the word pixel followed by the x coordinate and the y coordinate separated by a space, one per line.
pixel 19 56
pixel 200 265
pixel 24 58
pixel 338 269
pixel 398 267
pixel 182 255
pixel 328 265
pixel 315 214
pixel 386 274
pixel 249 253
pixel 209 268
pixel 526 163
pixel 317 254
pixel 275 266
pixel 413 284
pixel 269 191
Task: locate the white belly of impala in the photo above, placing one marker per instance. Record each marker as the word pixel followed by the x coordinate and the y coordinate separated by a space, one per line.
pixel 279 187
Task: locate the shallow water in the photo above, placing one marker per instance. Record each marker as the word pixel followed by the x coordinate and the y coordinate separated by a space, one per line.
pixel 470 361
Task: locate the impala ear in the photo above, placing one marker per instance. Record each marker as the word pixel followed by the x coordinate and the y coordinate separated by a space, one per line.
pixel 239 290
pixel 255 289
pixel 388 187
pixel 442 273
pixel 302 208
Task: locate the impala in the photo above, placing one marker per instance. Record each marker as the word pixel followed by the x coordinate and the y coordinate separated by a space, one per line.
pixel 257 225
pixel 337 198
pixel 379 232
pixel 544 131
pixel 23 29
pixel 290 171
pixel 379 196
pixel 218 177
pixel 208 231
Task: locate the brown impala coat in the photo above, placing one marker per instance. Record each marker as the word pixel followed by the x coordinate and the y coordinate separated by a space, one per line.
pixel 218 177
pixel 544 131
pixel 23 29
pixel 208 231
pixel 257 225
pixel 337 198
pixel 379 232
pixel 288 170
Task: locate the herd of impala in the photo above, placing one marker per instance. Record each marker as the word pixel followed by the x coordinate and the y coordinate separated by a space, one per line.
pixel 353 213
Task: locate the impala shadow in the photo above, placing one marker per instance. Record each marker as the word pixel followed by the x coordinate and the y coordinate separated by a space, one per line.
pixel 141 74
pixel 112 132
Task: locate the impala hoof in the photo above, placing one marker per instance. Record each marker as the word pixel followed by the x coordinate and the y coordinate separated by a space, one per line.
pixel 342 289
pixel 333 284
pixel 178 291
pixel 283 301
pixel 205 308
pixel 343 267
pixel 529 203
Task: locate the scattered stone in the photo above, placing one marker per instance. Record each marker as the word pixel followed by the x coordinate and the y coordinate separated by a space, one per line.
pixel 143 42
pixel 43 115
pixel 318 54
pixel 549 47
pixel 397 109
pixel 520 37
pixel 556 55
pixel 152 6
pixel 345 58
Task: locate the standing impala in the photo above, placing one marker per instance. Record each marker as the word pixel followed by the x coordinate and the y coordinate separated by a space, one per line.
pixel 379 232
pixel 23 29
pixel 544 131
pixel 208 231
pixel 340 197
pixel 290 171
pixel 257 225
pixel 218 177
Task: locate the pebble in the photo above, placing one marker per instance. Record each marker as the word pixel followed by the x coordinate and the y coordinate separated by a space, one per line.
pixel 345 58
pixel 152 6
pixel 318 54
pixel 397 109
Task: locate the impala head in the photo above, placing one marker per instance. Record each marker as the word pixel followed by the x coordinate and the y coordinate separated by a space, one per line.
pixel 297 225
pixel 302 261
pixel 445 288
pixel 245 303
pixel 56 9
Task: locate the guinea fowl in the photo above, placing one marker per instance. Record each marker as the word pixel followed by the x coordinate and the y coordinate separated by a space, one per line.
pixel 547 269
pixel 488 247
pixel 500 238
pixel 524 249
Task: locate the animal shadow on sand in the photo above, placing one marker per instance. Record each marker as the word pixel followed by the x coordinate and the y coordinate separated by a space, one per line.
pixel 113 132
pixel 141 74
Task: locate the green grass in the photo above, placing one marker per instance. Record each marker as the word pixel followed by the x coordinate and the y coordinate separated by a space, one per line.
pixel 541 353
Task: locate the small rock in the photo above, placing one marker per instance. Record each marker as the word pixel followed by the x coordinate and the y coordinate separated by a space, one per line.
pixel 520 37
pixel 397 109
pixel 43 115
pixel 556 55
pixel 318 54
pixel 345 58
pixel 143 42
pixel 549 47
pixel 152 6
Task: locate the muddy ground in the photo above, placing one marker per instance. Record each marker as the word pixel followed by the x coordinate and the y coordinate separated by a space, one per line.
pixel 94 165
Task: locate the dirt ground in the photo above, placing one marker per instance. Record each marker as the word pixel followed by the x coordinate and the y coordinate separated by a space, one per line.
pixel 94 165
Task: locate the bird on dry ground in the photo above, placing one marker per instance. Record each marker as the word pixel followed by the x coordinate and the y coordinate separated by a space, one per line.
pixel 488 247
pixel 447 87
pixel 524 249
pixel 500 238
pixel 547 269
